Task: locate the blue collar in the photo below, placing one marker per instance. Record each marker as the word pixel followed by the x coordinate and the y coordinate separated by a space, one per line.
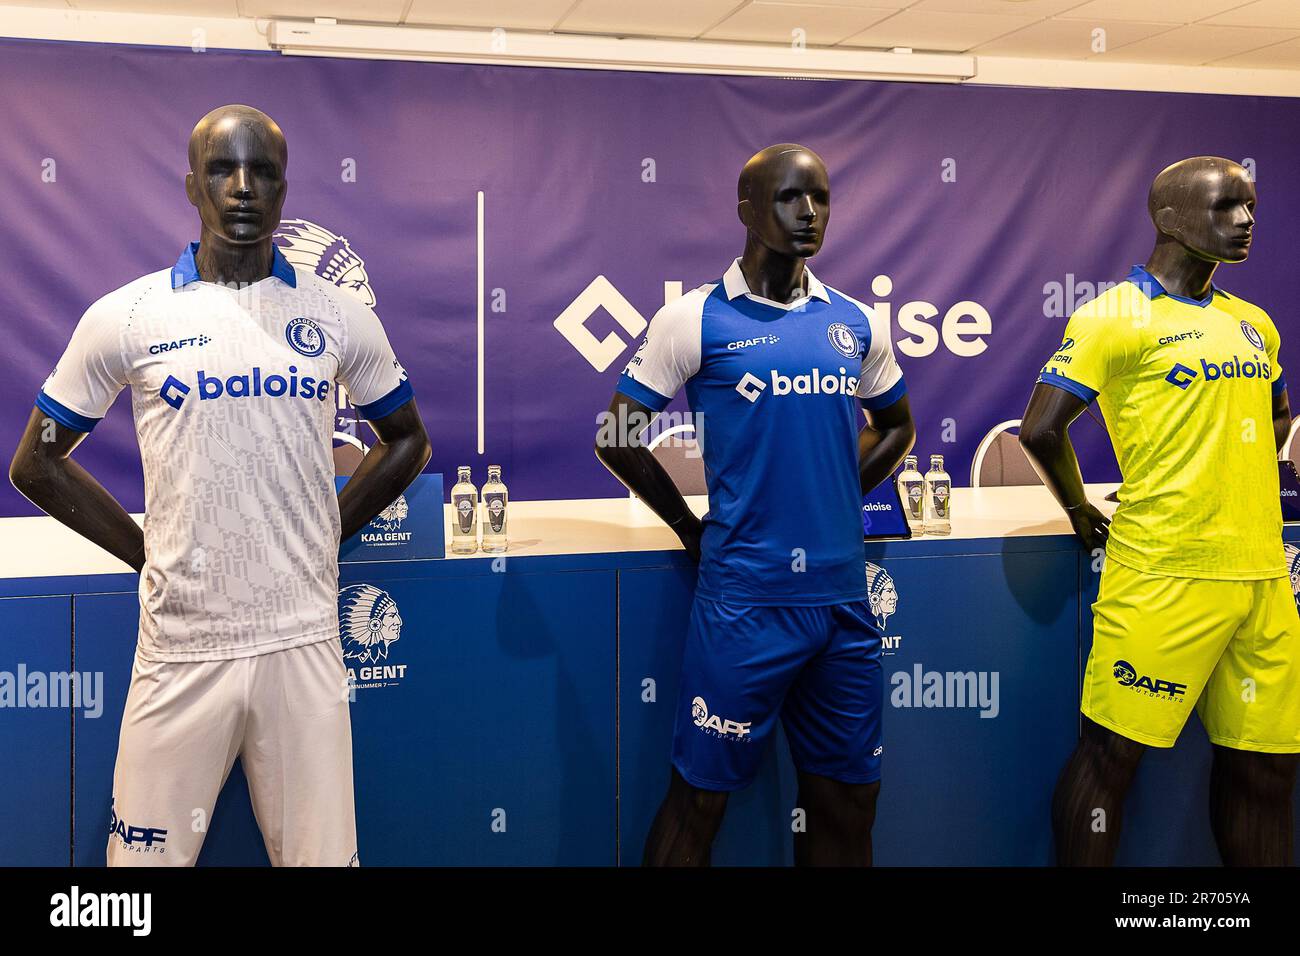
pixel 185 271
pixel 1152 288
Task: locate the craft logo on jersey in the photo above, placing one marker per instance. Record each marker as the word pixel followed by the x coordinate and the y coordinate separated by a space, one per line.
pixel 369 624
pixel 1252 335
pixel 1127 676
pixel 844 340
pixel 388 525
pixel 330 256
pixel 716 726
pixel 1293 562
pixel 159 347
pixel 305 336
pixel 135 838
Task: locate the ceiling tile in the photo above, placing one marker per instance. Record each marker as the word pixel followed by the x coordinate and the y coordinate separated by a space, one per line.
pixel 369 11
pixel 663 18
pixel 519 14
pixel 1026 8
pixel 1152 11
pixel 823 24
pixel 1069 39
pixel 1199 43
pixel 1262 13
pixel 197 8
pixel 927 30
pixel 1279 56
pixel 868 4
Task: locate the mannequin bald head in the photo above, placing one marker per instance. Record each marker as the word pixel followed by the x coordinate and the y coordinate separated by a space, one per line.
pixel 1206 205
pixel 784 200
pixel 236 180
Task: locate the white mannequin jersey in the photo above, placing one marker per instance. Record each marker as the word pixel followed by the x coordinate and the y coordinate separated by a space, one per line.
pixel 234 401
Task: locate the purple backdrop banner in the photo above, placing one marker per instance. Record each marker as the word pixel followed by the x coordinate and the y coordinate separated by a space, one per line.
pixel 980 216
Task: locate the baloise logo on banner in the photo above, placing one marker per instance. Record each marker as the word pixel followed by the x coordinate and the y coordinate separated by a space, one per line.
pixel 962 331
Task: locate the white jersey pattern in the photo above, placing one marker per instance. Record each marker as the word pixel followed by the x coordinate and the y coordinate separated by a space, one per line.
pixel 234 401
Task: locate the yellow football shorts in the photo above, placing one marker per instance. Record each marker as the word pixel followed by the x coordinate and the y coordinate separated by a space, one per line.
pixel 1162 645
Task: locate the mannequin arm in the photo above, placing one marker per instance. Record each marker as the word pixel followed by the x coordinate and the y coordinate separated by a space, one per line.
pixel 1045 437
pixel 619 448
pixel 885 441
pixel 44 472
pixel 389 467
pixel 1281 418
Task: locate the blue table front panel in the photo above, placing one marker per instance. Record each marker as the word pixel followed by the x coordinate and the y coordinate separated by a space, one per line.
pixel 36 729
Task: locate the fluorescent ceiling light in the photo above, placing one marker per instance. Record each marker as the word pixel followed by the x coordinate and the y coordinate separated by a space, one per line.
pixel 522 48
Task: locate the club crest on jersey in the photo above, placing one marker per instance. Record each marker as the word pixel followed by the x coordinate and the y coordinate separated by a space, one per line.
pixel 844 340
pixel 1126 675
pixel 881 593
pixel 1252 335
pixel 716 726
pixel 305 337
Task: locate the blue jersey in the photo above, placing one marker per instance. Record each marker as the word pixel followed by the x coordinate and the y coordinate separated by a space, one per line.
pixel 775 391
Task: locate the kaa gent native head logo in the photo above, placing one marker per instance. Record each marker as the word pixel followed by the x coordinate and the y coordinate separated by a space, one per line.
pixel 368 623
pixel 391 518
pixel 881 593
pixel 330 256
pixel 1293 562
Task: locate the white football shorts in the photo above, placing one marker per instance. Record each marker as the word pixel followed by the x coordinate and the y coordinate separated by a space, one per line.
pixel 284 714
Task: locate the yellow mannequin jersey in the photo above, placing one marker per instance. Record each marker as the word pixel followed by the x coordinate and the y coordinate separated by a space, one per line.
pixel 1187 391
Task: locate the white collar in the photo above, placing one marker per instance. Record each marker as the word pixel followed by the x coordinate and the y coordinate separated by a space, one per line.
pixel 734 284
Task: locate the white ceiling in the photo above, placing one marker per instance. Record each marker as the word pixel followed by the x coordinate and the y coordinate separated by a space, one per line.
pixel 1238 33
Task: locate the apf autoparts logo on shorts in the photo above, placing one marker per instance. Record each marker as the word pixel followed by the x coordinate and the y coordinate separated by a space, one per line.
pixel 369 624
pixel 1126 675
pixel 716 726
pixel 305 336
pixel 1252 335
pixel 844 339
pixel 135 838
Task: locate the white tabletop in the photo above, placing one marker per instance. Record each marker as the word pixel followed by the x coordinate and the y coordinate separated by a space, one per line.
pixel 41 547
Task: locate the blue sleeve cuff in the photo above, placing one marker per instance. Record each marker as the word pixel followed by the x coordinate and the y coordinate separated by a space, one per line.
pixel 1280 385
pixel 885 399
pixel 1077 389
pixel 64 415
pixel 646 396
pixel 390 403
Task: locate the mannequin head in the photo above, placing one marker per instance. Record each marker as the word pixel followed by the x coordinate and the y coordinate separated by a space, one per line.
pixel 236 180
pixel 784 198
pixel 1206 205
